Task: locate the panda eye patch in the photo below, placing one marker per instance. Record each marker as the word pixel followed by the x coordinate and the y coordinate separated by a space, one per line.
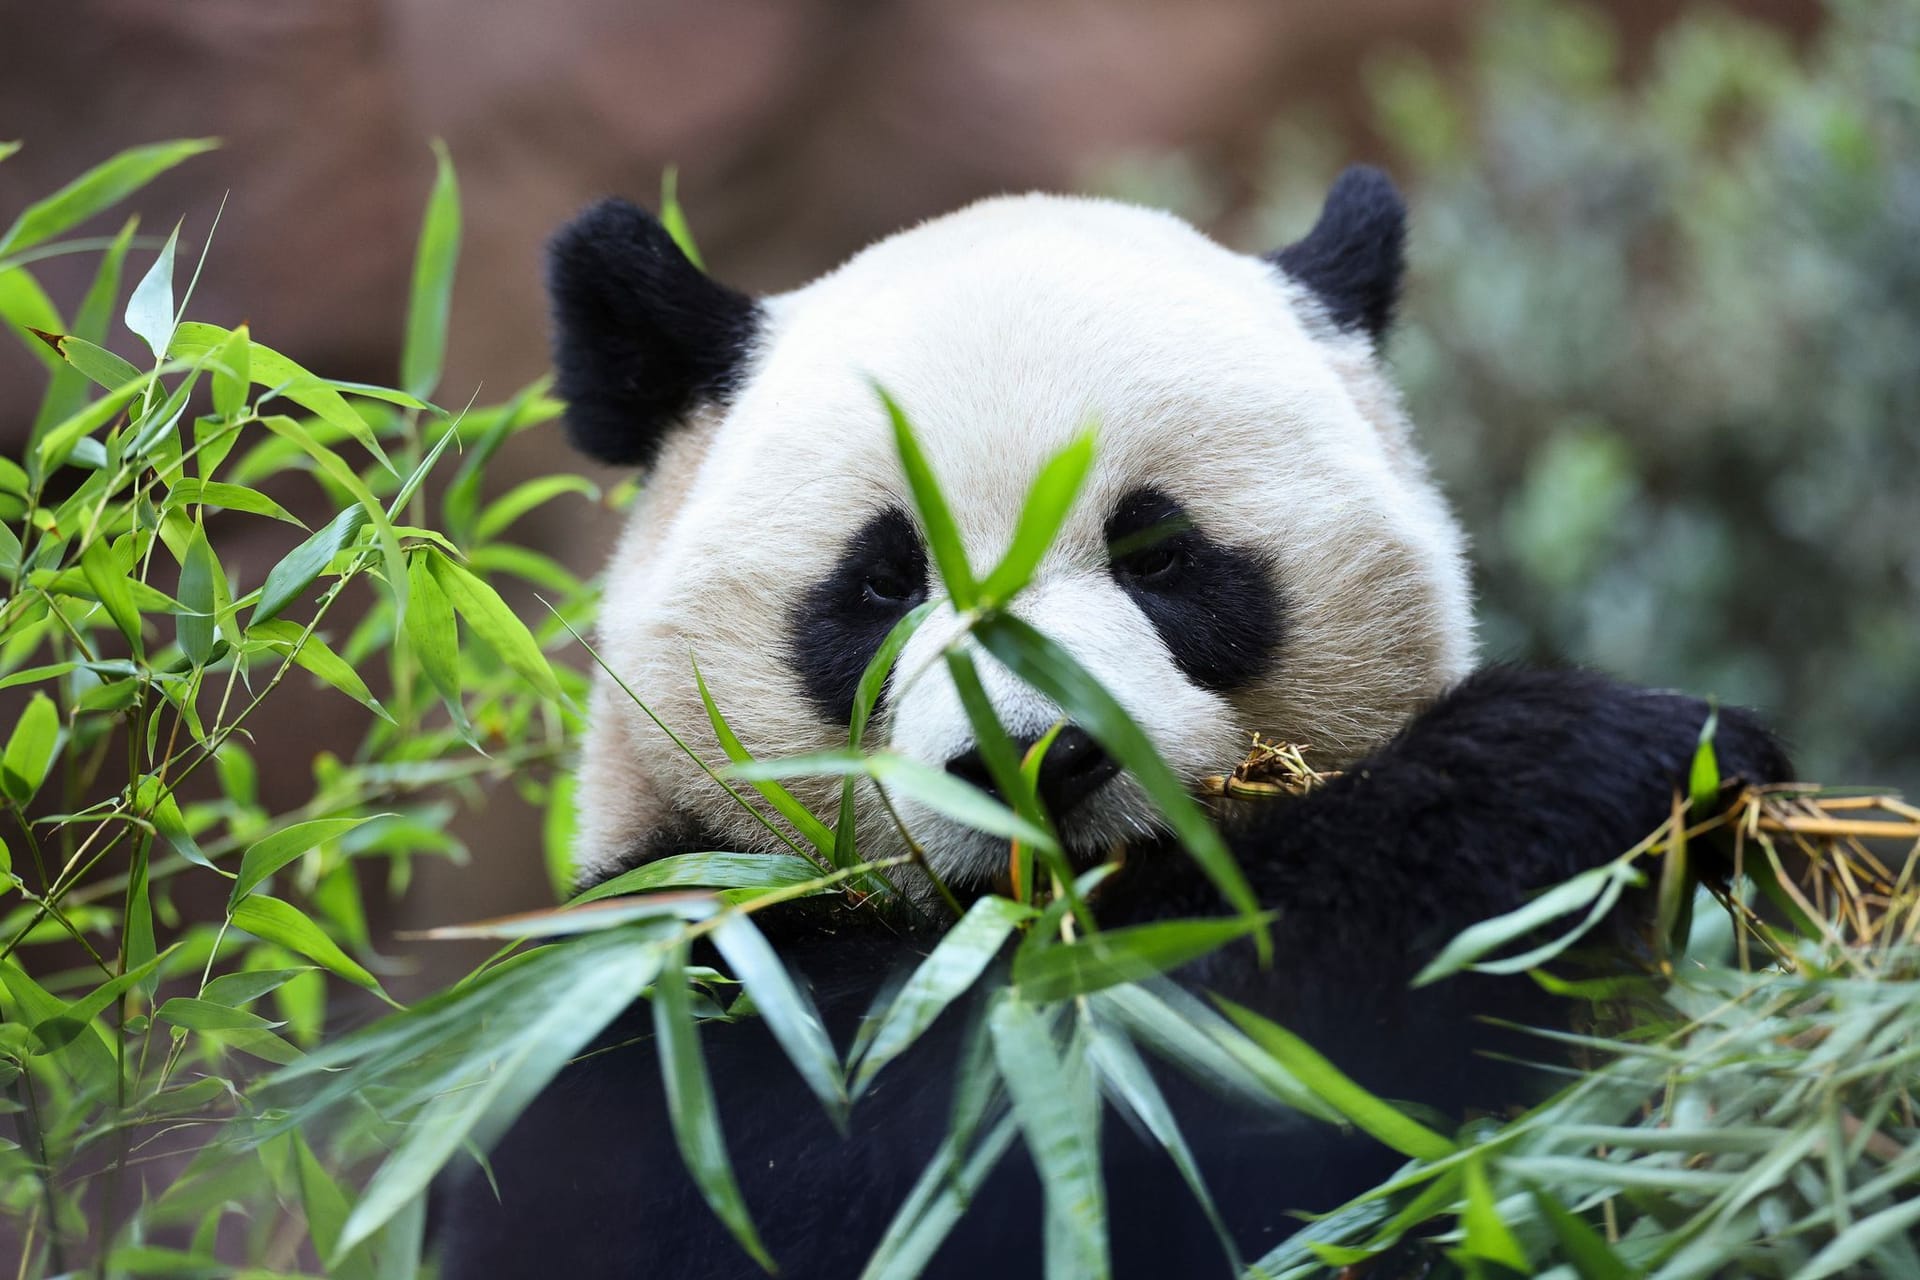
pixel 837 624
pixel 1217 608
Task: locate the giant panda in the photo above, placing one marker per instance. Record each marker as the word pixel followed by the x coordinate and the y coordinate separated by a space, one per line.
pixel 1309 584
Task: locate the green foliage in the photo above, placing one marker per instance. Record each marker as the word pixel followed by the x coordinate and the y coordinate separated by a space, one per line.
pixel 1660 343
pixel 152 909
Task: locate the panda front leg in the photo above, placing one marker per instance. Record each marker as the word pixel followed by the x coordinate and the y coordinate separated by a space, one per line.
pixel 1510 783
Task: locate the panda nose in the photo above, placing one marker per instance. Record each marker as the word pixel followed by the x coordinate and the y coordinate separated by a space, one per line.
pixel 1074 768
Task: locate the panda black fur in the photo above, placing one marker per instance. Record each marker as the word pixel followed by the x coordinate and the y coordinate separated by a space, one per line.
pixel 1315 592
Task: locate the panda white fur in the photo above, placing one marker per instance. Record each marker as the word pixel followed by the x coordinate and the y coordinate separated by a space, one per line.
pixel 1310 585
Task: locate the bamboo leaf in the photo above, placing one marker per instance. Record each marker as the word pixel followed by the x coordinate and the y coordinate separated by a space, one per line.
pixel 1128 1080
pixel 97 189
pixel 434 258
pixel 1061 970
pixel 690 1106
pixel 432 632
pixel 527 496
pixel 264 857
pixel 150 311
pixel 109 582
pixel 306 562
pixel 706 871
pixel 1583 891
pixel 954 964
pixel 789 1013
pixel 674 219
pixel 198 572
pixel 1486 1235
pixel 30 749
pixel 873 681
pixel 936 518
pixel 488 617
pixel 1064 1146
pixel 534 1028
pixel 272 920
pixel 1052 670
pixel 1405 1135
pixel 810 828
pixel 1045 510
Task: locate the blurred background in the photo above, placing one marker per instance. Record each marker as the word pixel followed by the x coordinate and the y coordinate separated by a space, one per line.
pixel 1663 327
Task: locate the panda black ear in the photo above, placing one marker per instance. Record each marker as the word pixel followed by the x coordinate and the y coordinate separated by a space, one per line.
pixel 642 337
pixel 1355 255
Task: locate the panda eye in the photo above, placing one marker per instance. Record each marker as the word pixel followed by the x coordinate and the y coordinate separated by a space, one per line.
pixel 891 588
pixel 1152 566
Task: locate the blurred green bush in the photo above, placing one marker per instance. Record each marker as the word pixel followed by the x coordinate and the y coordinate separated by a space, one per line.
pixel 1663 342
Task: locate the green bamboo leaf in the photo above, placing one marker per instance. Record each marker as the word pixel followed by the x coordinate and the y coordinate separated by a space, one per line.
pixel 67 393
pixel 810 828
pixel 26 309
pixel 348 479
pixel 282 923
pixel 326 1208
pixel 1048 501
pixel 529 1030
pixel 706 871
pixel 232 371
pixel 198 573
pixel 1703 776
pixel 248 985
pixel 935 1205
pixel 1053 671
pixel 268 368
pixel 87 1056
pixel 1060 970
pixel 98 188
pixel 1585 891
pixel 432 632
pixel 1867 1235
pixel 954 964
pixel 306 562
pixel 60 440
pixel 1128 1080
pixel 1486 1235
pixel 110 586
pixel 690 1106
pixel 197 1014
pixel 527 496
pixel 150 310
pixel 872 681
pixel 57 1032
pixel 312 654
pixel 789 1013
pixel 264 857
pixel 1592 1257
pixel 935 788
pixel 1179 1028
pixel 1408 1137
pixel 1063 1137
pixel 137 942
pixel 936 517
pixel 234 497
pixel 488 617
pixel 674 219
pixel 433 262
pixel 30 750
pixel 100 365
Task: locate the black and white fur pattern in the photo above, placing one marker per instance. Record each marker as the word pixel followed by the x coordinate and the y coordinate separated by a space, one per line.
pixel 1312 588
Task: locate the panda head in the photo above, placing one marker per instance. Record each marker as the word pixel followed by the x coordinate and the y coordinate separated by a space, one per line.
pixel 1258 548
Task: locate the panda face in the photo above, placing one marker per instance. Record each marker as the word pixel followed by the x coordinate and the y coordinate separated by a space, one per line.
pixel 1258 547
